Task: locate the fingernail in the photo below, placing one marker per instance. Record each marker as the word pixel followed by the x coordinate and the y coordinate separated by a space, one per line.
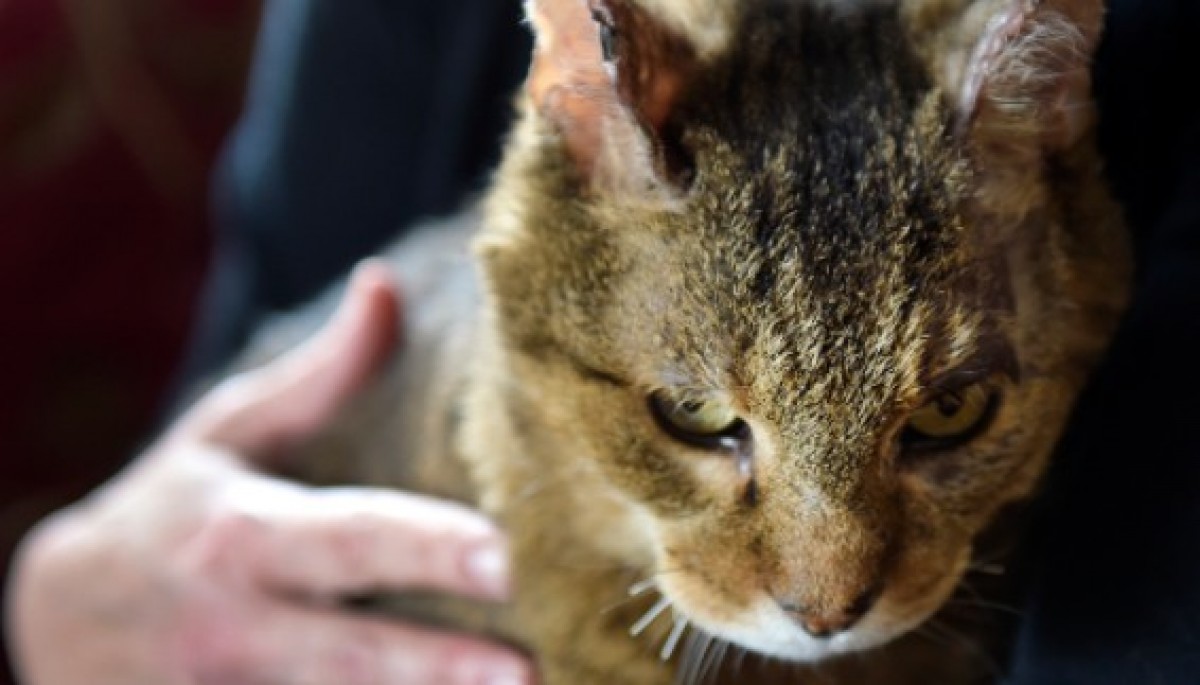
pixel 487 565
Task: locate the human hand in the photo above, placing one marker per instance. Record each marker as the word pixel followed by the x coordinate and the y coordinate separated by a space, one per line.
pixel 195 567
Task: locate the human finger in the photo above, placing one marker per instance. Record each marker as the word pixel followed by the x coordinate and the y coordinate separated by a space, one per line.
pixel 260 413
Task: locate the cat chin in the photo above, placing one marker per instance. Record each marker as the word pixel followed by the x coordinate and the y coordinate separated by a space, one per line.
pixel 766 630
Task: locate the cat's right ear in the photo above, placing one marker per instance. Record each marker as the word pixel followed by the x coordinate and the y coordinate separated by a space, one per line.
pixel 606 76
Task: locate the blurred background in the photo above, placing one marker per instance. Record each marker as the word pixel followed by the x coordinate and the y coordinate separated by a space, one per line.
pixel 112 116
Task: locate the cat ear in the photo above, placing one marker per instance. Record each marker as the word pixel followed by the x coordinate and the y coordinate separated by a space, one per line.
pixel 607 76
pixel 1021 71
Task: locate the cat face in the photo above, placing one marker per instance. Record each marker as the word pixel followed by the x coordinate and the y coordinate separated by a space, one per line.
pixel 817 345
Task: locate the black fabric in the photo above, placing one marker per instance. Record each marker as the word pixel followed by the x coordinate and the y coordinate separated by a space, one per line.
pixel 363 117
pixel 367 115
pixel 1116 593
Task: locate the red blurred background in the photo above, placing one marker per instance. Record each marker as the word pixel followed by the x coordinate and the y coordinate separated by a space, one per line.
pixel 112 113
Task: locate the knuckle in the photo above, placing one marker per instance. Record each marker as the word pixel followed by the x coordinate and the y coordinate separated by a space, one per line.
pixel 223 540
pixel 430 560
pixel 46 547
pixel 366 543
pixel 355 540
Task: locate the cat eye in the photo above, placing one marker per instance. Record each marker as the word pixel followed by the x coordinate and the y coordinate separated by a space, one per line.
pixel 952 418
pixel 706 422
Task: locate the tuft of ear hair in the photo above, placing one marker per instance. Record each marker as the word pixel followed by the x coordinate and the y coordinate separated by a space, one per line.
pixel 606 76
pixel 1024 75
pixel 1032 70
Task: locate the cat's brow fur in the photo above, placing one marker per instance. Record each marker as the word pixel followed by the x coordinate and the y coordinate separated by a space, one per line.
pixel 837 251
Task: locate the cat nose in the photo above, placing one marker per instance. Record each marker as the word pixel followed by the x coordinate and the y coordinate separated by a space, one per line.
pixel 827 624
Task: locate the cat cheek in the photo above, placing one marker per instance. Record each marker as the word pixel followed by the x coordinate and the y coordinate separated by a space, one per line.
pixel 703 575
pixel 926 575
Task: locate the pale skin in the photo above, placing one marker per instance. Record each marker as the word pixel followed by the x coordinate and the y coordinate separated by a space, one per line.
pixel 195 566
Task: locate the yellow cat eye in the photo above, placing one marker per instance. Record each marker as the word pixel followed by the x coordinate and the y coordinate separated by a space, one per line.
pixel 952 417
pixel 701 421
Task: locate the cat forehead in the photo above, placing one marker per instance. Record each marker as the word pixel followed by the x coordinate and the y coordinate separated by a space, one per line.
pixel 825 134
pixel 797 61
pixel 822 236
pixel 862 286
pixel 797 274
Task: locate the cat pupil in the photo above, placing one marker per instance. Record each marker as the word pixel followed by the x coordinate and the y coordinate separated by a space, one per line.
pixel 949 404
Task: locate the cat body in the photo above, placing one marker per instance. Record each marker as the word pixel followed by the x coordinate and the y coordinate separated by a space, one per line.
pixel 773 308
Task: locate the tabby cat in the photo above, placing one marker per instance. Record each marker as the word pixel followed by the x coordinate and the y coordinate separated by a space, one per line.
pixel 774 307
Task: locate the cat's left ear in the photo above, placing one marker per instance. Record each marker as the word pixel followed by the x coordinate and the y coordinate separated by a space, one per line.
pixel 607 75
pixel 1019 71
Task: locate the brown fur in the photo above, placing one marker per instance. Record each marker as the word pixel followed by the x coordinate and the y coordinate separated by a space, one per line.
pixel 835 235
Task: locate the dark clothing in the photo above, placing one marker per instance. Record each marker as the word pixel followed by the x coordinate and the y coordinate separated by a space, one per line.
pixel 1116 597
pixel 370 114
pixel 363 117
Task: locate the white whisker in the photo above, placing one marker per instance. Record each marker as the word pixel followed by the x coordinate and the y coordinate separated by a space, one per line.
pixel 668 649
pixel 645 621
pixel 642 587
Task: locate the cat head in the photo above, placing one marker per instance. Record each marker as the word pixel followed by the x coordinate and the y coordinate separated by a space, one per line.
pixel 807 287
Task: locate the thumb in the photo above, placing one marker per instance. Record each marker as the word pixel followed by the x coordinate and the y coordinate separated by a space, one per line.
pixel 260 413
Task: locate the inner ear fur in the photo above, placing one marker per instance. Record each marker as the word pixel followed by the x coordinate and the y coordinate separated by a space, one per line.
pixel 607 76
pixel 1017 73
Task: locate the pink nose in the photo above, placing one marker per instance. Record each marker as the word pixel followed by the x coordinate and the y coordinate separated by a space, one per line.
pixel 827 624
